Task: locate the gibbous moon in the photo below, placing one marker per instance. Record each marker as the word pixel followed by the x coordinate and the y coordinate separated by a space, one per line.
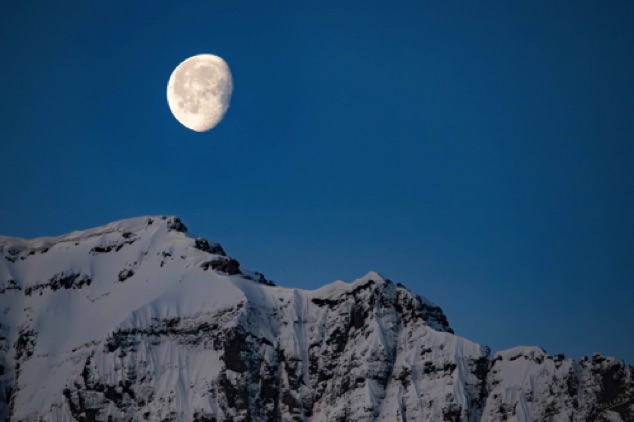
pixel 199 91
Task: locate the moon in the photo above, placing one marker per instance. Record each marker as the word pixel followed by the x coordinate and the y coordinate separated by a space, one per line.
pixel 199 91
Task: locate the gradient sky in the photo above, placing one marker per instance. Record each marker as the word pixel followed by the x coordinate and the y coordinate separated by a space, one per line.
pixel 482 155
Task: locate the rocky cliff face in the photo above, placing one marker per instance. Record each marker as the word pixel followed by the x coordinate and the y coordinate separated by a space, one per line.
pixel 137 321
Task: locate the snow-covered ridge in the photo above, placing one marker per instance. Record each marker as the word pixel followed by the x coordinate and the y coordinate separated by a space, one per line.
pixel 133 225
pixel 136 320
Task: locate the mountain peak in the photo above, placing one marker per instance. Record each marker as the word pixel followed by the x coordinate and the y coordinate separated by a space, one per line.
pixel 137 317
pixel 136 225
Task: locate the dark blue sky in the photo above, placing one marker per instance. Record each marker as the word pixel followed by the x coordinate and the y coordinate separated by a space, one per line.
pixel 481 155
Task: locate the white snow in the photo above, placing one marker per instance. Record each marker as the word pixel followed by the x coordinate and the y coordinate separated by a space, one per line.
pixel 147 282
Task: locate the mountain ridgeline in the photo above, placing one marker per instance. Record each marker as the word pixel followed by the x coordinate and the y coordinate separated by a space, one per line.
pixel 137 321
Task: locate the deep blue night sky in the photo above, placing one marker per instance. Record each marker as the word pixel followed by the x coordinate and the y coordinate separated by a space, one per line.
pixel 481 155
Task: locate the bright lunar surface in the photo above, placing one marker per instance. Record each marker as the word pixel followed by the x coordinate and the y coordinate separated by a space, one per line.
pixel 199 91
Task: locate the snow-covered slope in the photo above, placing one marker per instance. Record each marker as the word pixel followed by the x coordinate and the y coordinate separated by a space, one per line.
pixel 136 320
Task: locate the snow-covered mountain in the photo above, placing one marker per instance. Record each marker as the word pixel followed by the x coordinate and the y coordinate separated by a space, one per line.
pixel 137 321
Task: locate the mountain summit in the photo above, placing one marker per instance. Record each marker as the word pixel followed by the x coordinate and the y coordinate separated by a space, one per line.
pixel 136 320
